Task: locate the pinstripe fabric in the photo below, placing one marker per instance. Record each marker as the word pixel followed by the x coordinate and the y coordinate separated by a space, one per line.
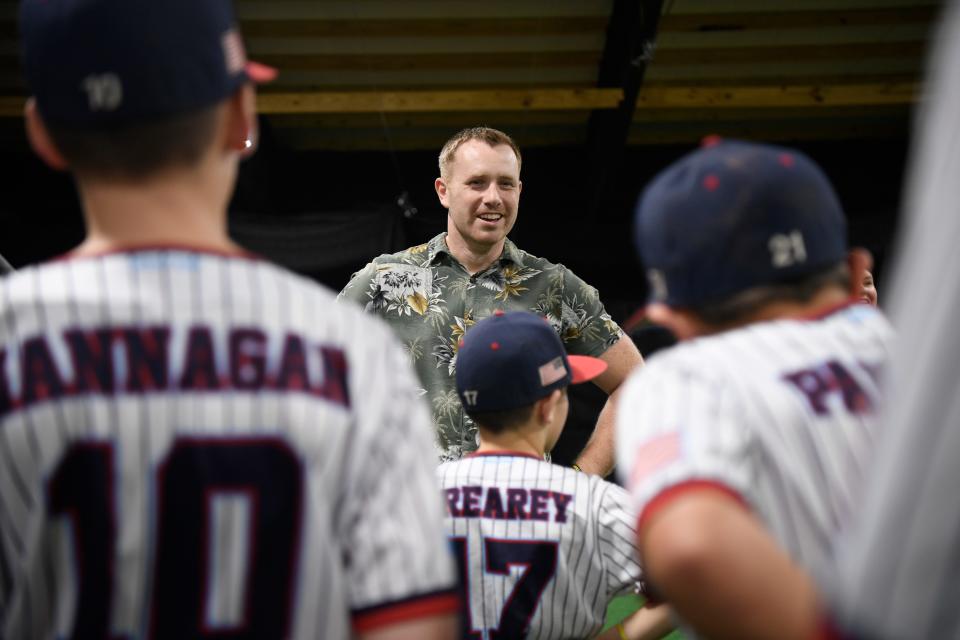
pixel 248 352
pixel 782 413
pixel 594 534
pixel 899 575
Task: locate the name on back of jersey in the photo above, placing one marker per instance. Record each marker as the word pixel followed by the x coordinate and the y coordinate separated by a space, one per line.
pixel 831 381
pixel 507 503
pixel 161 358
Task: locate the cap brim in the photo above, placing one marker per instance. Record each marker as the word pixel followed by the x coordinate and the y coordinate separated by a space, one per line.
pixel 584 368
pixel 260 73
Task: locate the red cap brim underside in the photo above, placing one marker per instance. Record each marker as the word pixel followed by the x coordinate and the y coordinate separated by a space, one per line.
pixel 260 73
pixel 584 368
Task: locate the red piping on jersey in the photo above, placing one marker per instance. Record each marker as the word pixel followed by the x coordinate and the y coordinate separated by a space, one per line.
pixel 146 248
pixel 516 454
pixel 433 604
pixel 669 494
pixel 826 631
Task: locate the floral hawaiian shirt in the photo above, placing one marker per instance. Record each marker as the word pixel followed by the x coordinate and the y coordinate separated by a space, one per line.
pixel 430 300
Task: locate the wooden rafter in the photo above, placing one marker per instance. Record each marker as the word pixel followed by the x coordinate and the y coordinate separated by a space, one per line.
pixel 744 21
pixel 441 27
pixel 496 100
pixel 679 97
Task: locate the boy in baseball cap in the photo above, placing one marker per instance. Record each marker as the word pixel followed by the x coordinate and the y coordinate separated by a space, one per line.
pixel 200 456
pixel 507 505
pixel 512 379
pixel 744 445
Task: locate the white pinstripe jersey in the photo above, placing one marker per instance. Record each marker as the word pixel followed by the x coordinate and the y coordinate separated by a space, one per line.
pixel 542 548
pixel 197 443
pixel 781 413
pixel 899 571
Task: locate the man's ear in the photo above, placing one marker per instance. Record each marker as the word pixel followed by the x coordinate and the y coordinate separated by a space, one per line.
pixel 441 187
pixel 859 261
pixel 39 137
pixel 242 128
pixel 683 324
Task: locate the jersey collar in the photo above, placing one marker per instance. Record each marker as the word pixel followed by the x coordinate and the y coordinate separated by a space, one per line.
pixel 512 454
pixel 159 248
pixel 828 311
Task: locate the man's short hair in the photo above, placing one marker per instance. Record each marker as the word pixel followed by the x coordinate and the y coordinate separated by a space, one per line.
pixel 492 137
pixel 744 304
pixel 131 152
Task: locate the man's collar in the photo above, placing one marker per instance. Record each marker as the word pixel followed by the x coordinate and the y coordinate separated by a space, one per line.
pixel 511 253
pixel 438 246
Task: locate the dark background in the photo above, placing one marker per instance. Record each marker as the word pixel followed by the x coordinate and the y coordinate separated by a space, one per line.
pixel 325 214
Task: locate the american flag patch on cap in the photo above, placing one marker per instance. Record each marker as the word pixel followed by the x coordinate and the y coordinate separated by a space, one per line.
pixel 552 371
pixel 233 52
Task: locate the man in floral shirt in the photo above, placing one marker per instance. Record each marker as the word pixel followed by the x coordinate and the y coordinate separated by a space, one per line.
pixel 432 293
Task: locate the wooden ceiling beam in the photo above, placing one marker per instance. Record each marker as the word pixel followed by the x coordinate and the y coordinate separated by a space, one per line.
pixel 744 21
pixel 810 96
pixel 824 52
pixel 813 96
pixel 411 101
pixel 405 62
pixel 531 61
pixel 786 78
pixel 561 25
pixel 442 27
pixel 415 9
pixel 506 120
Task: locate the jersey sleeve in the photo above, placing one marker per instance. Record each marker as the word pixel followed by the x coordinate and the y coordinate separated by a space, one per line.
pixel 617 535
pixel 359 289
pixel 398 564
pixel 693 436
pixel 586 327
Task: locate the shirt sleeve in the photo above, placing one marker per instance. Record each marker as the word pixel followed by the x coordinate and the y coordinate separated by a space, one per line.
pixel 360 288
pixel 693 436
pixel 398 563
pixel 617 535
pixel 586 327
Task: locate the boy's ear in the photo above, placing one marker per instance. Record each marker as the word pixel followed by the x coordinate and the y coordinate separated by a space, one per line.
pixel 547 407
pixel 242 128
pixel 39 137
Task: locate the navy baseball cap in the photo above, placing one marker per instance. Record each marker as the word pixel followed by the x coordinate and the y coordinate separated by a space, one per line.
pixel 94 63
pixel 513 359
pixel 734 215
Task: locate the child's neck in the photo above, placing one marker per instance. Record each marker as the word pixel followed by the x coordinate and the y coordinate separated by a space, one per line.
pixel 528 438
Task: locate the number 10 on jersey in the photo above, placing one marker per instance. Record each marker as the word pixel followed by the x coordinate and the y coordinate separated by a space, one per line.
pixel 83 490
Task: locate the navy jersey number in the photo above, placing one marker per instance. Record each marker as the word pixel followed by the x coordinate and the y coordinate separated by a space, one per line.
pixel 82 489
pixel 539 559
